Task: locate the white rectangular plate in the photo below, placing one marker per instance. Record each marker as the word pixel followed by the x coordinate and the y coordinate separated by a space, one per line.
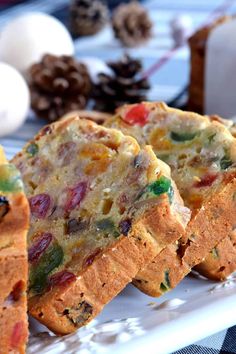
pixel 136 323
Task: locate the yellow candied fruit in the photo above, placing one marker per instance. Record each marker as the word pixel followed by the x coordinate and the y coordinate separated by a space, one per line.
pixel 95 151
pixel 96 167
pixel 159 140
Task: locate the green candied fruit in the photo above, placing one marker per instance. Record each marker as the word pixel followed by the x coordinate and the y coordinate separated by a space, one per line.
pixel 50 260
pixel 162 185
pixel 107 226
pixel 225 162
pixel 165 285
pixel 180 137
pixel 215 253
pixel 32 149
pixel 10 179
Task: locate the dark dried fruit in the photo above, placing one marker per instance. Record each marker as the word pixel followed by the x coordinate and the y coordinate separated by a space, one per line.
pixel 39 247
pixel 75 196
pixel 125 226
pixel 62 278
pixel 4 206
pixel 89 260
pixel 75 225
pixel 16 292
pixel 39 205
pixel 79 314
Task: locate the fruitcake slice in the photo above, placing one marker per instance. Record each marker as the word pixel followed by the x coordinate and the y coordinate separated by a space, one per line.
pixel 202 154
pixel 101 208
pixel 14 221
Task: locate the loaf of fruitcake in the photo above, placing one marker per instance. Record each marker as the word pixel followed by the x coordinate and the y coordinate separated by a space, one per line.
pixel 202 155
pixel 198 45
pixel 14 222
pixel 101 208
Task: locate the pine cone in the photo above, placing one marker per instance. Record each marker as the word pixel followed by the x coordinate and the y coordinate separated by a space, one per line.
pixel 87 17
pixel 124 86
pixel 58 85
pixel 131 24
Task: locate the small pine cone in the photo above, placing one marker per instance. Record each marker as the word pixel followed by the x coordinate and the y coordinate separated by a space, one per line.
pixel 87 17
pixel 58 85
pixel 125 85
pixel 131 24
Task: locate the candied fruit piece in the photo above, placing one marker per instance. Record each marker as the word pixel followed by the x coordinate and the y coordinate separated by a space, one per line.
pixel 49 260
pixel 138 114
pixel 75 196
pixel 39 247
pixel 32 149
pixel 206 181
pixel 181 137
pixel 10 180
pixel 62 278
pixel 39 205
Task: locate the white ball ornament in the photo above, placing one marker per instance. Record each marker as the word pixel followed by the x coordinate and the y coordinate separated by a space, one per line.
pixel 14 99
pixel 28 37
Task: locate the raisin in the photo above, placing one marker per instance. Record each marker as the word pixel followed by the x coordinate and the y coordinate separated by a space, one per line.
pixel 181 137
pixel 138 114
pixel 75 225
pixel 75 196
pixel 90 259
pixel 62 278
pixel 4 206
pixel 79 314
pixel 39 246
pixel 32 149
pixel 39 205
pixel 125 226
pixel 66 152
pixel 206 181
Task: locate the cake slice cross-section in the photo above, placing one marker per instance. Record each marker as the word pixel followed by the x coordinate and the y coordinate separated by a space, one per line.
pixel 202 155
pixel 14 223
pixel 101 208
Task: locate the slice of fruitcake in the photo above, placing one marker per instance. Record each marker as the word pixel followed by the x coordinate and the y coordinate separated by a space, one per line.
pixel 202 155
pixel 101 208
pixel 14 221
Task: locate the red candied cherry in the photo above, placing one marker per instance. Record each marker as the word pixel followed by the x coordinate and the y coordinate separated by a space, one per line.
pixel 75 196
pixel 39 205
pixel 39 246
pixel 61 279
pixel 138 114
pixel 206 181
